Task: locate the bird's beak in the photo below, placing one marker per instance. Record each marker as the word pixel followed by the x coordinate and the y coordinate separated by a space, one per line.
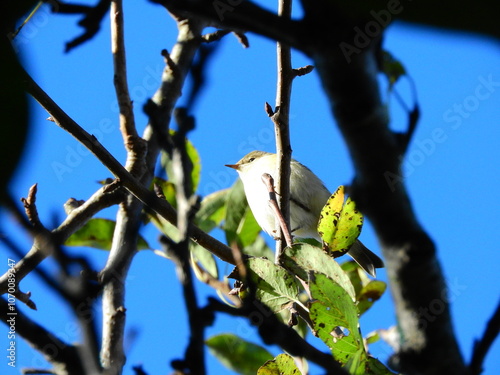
pixel 234 166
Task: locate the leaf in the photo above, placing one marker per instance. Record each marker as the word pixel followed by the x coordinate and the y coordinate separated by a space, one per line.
pixel 165 226
pixel 340 224
pixel 349 227
pixel 301 258
pixel 283 364
pixel 212 210
pixel 375 367
pixel 168 190
pixel 205 258
pixel 392 68
pixel 367 291
pixel 372 337
pixel 335 317
pixel 259 249
pixel 276 287
pixel 237 354
pixel 369 294
pixel 193 157
pixel 98 233
pixel 335 321
pixel 330 214
pixel 240 225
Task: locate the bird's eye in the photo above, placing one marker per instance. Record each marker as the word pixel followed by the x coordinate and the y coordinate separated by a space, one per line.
pixel 251 159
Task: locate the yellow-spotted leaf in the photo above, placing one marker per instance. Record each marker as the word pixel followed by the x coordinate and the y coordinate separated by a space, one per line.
pixel 330 215
pixel 340 224
pixel 283 364
pixel 348 228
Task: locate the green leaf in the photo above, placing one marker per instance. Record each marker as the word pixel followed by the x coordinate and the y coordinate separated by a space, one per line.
pixel 98 233
pixel 259 249
pixel 276 287
pixel 392 68
pixel 375 367
pixel 372 337
pixel 330 215
pixel 205 258
pixel 168 189
pixel 302 257
pixel 212 210
pixel 335 318
pixel 349 227
pixel 340 224
pixel 195 160
pixel 367 291
pixel 240 225
pixel 164 226
pixel 369 294
pixel 237 354
pixel 283 364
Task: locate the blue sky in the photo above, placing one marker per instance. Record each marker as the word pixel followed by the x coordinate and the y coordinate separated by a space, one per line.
pixel 452 163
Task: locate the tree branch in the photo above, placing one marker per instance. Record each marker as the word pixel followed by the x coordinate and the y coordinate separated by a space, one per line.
pixel 281 119
pixel 64 357
pixel 194 357
pixel 74 221
pixel 135 146
pixel 482 346
pixel 417 281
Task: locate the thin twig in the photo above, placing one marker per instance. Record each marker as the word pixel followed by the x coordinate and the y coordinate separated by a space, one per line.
pixel 483 345
pixel 194 361
pixel 74 221
pixel 268 180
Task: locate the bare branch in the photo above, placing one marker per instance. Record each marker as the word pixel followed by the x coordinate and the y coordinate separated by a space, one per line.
pixel 134 145
pixel 30 208
pixel 74 221
pixel 281 119
pixel 127 121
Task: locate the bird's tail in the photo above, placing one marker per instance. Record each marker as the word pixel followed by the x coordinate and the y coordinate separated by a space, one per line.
pixel 366 259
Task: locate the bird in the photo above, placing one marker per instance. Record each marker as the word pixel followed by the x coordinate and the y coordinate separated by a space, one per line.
pixel 308 196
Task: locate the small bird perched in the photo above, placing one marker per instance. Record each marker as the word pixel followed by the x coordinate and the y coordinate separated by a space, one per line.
pixel 308 195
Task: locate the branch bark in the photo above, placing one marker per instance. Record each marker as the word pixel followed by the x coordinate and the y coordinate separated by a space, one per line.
pixel 281 119
pixel 129 215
